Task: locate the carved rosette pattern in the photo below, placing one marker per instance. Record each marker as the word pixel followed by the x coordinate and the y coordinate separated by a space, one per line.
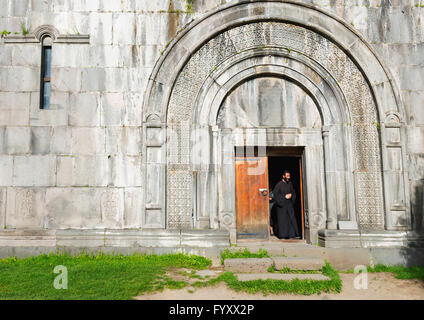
pixel 368 182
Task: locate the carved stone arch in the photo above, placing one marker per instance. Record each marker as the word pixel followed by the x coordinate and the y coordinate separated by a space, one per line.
pixel 46 30
pixel 328 98
pixel 285 25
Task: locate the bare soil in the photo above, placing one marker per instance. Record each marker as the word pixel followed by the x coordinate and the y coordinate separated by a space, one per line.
pixel 381 286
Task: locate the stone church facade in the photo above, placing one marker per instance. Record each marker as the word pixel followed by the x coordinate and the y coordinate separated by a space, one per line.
pixel 127 136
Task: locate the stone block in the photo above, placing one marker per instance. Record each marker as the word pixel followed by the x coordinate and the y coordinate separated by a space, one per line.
pixel 112 207
pixel 160 238
pixel 124 141
pixel 84 110
pixel 101 27
pixel 6 171
pixel 25 208
pixel 3 142
pixel 18 140
pixel 68 80
pixel 416 139
pixel 14 108
pixel 28 239
pixel 26 55
pixel 280 276
pixel 70 56
pixel 34 171
pixel 133 201
pixel 61 141
pixel 113 109
pixel 56 115
pixel 125 171
pixel 19 79
pixel 80 238
pixel 120 80
pixel 94 79
pixel 124 28
pixel 82 171
pixel 3 198
pixel 86 208
pixel 88 141
pixel 347 258
pixel 59 209
pixel 205 238
pixel 348 225
pixel 248 265
pixel 41 140
pixel 298 263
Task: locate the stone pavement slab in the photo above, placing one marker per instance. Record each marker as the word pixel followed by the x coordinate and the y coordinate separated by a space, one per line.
pixel 280 276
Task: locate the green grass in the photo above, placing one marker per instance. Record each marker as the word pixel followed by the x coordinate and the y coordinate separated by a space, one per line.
pixel 228 254
pixel 288 270
pixel 400 272
pixel 296 286
pixel 92 277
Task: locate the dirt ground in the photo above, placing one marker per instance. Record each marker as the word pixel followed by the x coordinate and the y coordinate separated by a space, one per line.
pixel 381 286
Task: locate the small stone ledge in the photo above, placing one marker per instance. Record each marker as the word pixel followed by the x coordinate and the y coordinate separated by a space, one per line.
pixel 69 39
pixel 248 265
pixel 259 265
pixel 369 239
pixel 126 238
pixel 20 39
pixel 281 263
pixel 280 276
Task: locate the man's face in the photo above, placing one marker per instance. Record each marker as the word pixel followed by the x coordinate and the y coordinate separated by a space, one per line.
pixel 286 177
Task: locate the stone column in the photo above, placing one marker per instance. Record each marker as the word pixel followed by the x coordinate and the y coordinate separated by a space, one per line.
pixel 214 180
pixel 330 191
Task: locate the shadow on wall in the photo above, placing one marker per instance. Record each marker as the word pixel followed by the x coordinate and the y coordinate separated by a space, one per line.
pixel 413 255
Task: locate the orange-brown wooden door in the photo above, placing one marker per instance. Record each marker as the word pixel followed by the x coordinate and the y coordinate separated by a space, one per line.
pixel 252 201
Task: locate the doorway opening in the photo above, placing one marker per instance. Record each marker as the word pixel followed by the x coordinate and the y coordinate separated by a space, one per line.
pixel 280 159
pixel 254 212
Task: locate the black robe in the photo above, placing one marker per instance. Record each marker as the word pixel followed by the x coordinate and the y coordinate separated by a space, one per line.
pixel 286 219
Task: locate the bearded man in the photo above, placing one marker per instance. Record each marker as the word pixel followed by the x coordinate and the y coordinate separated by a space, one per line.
pixel 284 196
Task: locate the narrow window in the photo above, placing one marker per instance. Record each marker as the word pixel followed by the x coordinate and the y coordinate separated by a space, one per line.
pixel 46 58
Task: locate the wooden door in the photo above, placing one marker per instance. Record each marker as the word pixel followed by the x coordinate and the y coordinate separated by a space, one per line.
pixel 252 201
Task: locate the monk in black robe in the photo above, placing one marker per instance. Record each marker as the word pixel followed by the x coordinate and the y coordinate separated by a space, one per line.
pixel 284 196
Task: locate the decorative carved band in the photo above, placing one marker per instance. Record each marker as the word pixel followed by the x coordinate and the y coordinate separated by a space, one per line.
pixel 357 92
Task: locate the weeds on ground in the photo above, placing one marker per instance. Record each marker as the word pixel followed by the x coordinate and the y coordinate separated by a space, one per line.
pixel 296 286
pixel 401 272
pixel 228 254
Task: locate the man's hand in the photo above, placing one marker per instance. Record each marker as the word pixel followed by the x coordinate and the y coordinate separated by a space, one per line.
pixel 288 196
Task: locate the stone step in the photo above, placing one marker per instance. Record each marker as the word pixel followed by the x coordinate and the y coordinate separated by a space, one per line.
pixel 298 263
pixel 259 265
pixel 280 276
pixel 248 265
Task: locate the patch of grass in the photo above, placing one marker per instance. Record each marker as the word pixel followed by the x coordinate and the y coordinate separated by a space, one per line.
pixel 175 284
pixel 228 254
pixel 191 274
pixel 296 286
pixel 189 6
pixel 91 277
pixel 401 272
pixel 288 270
pixel 24 29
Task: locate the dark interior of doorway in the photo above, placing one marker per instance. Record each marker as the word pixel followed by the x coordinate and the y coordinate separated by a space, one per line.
pixel 276 167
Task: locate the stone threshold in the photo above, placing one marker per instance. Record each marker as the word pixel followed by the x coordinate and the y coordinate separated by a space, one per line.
pixel 97 238
pixel 262 265
pixel 369 239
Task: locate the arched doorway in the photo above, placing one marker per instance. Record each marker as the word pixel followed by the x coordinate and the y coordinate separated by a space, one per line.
pixel 331 63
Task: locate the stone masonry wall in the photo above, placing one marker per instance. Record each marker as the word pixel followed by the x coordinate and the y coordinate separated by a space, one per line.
pixel 79 164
